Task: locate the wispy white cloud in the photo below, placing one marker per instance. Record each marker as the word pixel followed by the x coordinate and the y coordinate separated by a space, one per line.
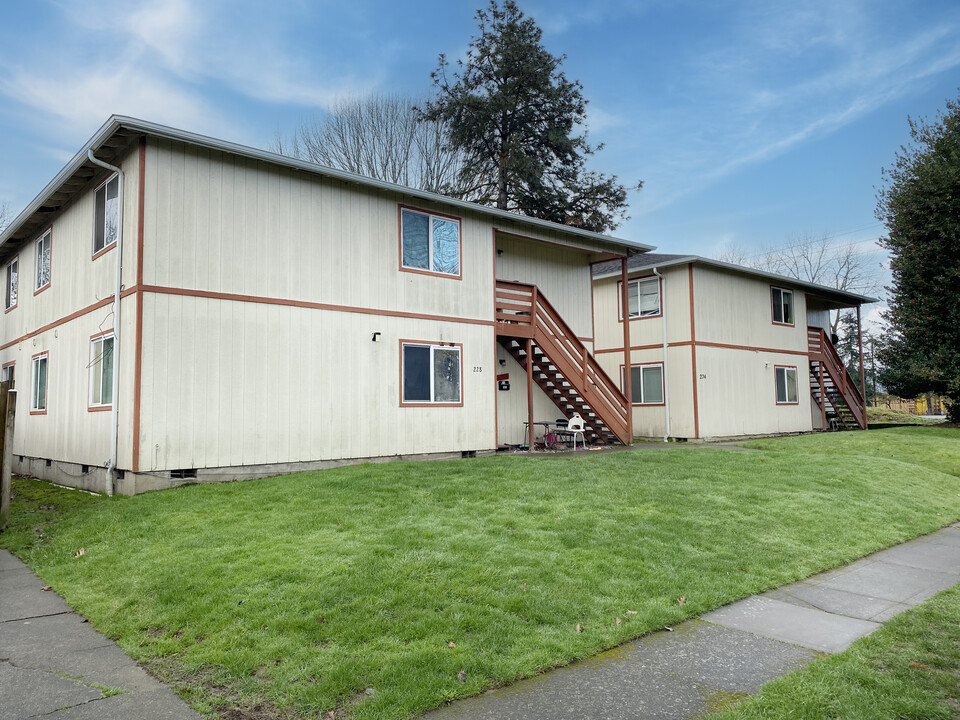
pixel 783 77
pixel 160 59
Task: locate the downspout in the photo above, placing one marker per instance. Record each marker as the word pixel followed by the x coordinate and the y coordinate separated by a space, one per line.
pixel 666 383
pixel 114 411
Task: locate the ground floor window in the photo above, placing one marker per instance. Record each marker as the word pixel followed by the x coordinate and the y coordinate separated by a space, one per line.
pixel 7 375
pixel 101 371
pixel 646 384
pixel 786 379
pixel 38 384
pixel 430 374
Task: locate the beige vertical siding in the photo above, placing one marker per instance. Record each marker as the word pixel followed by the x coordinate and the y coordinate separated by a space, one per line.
pixel 734 382
pixel 68 432
pixel 512 403
pixel 737 309
pixel 234 383
pixel 223 224
pixel 648 330
pixel 76 280
pixel 561 274
pixel 738 394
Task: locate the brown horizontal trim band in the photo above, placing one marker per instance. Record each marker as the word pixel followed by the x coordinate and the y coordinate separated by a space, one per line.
pixel 158 289
pixel 72 316
pixel 632 347
pixel 701 343
pixel 751 347
pixel 100 408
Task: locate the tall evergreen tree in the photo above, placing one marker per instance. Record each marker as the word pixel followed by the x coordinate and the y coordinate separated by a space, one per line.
pixel 513 112
pixel 920 205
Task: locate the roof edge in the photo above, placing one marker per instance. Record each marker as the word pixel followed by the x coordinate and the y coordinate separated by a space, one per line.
pixel 813 287
pixel 116 122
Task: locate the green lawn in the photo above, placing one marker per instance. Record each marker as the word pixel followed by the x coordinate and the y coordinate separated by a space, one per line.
pixel 884 415
pixel 910 668
pixel 937 448
pixel 301 592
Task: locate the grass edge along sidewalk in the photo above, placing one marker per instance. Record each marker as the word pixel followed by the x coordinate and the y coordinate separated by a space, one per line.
pixel 305 591
pixel 909 668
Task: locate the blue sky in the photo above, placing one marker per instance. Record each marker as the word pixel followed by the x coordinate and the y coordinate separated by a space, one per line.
pixel 750 121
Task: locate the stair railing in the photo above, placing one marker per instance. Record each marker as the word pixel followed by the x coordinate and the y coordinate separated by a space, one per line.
pixel 522 311
pixel 821 350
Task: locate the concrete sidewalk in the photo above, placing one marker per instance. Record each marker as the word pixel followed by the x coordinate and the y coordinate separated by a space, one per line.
pixel 704 664
pixel 53 664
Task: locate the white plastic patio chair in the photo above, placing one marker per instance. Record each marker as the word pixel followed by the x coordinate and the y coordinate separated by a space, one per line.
pixel 575 426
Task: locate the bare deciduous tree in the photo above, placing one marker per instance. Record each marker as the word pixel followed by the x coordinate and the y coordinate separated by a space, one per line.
pixel 816 259
pixel 6 215
pixel 384 137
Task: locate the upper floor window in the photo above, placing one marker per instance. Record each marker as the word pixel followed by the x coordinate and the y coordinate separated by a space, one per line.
pixel 106 214
pixel 43 261
pixel 430 374
pixel 38 384
pixel 643 297
pixel 782 306
pixel 429 242
pixel 10 296
pixel 101 371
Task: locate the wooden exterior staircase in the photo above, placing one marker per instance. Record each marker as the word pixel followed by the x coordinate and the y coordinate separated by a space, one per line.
pixel 562 366
pixel 831 386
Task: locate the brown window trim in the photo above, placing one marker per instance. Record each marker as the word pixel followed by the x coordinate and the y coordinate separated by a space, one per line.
pixel 13 364
pixel 662 382
pixel 46 387
pixel 106 248
pixel 429 343
pixel 100 408
pixel 639 317
pixel 421 271
pixel 15 258
pixel 40 237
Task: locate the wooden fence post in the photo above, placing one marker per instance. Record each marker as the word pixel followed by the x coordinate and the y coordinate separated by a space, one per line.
pixel 8 411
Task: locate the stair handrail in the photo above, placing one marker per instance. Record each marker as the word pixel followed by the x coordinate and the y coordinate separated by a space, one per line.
pixel 819 348
pixel 524 304
pixel 606 390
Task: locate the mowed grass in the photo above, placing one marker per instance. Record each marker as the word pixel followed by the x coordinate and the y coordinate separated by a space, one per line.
pixel 884 415
pixel 910 668
pixel 937 448
pixel 302 592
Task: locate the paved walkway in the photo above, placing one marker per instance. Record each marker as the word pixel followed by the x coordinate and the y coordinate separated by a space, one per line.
pixel 705 663
pixel 54 665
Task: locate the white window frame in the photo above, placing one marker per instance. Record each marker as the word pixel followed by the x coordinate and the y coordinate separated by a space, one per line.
pixel 8 373
pixel 38 255
pixel 643 400
pixel 638 282
pixel 44 358
pixel 12 284
pixel 97 251
pixel 787 369
pixel 433 393
pixel 431 216
pixel 773 306
pixel 95 353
